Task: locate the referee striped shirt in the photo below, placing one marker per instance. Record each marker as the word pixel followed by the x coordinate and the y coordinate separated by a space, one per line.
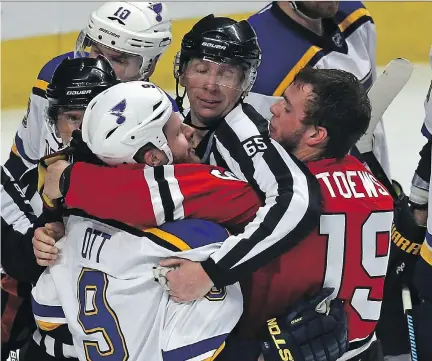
pixel 290 192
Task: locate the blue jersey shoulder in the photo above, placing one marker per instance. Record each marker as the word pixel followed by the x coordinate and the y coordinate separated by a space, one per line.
pixel 48 69
pixel 196 232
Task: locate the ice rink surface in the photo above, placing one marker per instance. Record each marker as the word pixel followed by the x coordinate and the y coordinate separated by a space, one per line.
pixel 403 121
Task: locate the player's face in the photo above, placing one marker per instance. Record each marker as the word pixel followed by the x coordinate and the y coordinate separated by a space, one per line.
pixel 67 122
pixel 125 66
pixel 213 89
pixel 286 125
pixel 318 9
pixel 180 140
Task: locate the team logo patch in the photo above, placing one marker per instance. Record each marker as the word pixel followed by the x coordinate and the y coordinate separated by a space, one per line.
pixel 25 118
pixel 337 39
pixel 157 8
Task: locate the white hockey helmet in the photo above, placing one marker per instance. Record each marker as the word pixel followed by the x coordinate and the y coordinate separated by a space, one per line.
pixel 136 28
pixel 124 118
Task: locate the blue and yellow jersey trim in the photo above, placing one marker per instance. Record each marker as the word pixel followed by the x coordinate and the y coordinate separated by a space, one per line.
pixel 187 234
pixel 426 249
pixel 48 318
pixel 348 25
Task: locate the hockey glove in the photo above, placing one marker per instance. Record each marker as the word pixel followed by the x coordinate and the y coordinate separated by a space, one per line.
pixel 314 329
pixel 406 240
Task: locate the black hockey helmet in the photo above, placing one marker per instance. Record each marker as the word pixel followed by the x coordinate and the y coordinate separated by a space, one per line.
pixel 76 82
pixel 222 40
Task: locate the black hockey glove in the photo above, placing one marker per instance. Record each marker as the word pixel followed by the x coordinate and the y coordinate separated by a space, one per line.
pixel 314 329
pixel 406 240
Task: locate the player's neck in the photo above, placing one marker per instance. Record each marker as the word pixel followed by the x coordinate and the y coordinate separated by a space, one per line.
pixel 314 25
pixel 308 154
pixel 197 124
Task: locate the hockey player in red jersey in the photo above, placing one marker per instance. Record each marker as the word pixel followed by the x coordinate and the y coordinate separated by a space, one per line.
pixel 322 115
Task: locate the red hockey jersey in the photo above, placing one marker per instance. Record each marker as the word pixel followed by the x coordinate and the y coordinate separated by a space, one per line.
pixel 349 250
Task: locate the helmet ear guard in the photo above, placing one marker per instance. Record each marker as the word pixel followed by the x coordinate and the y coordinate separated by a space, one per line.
pixel 141 29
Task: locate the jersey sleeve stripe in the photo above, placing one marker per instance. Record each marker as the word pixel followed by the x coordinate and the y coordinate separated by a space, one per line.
pixel 21 151
pixel 426 253
pixel 165 195
pixel 47 311
pixel 39 92
pixel 352 18
pixel 48 326
pixel 175 193
pixel 305 59
pixel 426 133
pixel 179 244
pixel 194 350
pixel 156 199
pixel 41 84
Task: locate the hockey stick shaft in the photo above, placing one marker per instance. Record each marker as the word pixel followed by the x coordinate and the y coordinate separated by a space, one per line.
pixel 407 305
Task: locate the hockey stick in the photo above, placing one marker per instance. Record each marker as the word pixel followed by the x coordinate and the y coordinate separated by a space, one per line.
pixel 382 93
pixel 407 305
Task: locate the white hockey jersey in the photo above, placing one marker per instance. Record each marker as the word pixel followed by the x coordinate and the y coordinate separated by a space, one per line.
pixel 103 286
pixel 349 44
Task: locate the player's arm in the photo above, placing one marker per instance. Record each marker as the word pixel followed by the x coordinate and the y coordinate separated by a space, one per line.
pixel 153 196
pixel 291 209
pixel 25 150
pixel 17 222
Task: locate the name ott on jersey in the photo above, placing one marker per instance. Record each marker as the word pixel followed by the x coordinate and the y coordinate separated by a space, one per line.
pixel 352 184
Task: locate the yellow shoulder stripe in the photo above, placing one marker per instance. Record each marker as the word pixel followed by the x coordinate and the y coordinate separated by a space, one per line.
pixel 352 18
pixel 305 59
pixel 41 84
pixel 170 238
pixel 48 326
pixel 426 253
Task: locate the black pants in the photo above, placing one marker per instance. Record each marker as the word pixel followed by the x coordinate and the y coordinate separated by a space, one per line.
pixel 17 317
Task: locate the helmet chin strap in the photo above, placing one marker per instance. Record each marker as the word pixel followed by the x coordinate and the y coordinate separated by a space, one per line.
pixel 164 147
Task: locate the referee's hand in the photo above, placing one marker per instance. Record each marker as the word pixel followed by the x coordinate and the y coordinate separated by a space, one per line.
pixel 44 240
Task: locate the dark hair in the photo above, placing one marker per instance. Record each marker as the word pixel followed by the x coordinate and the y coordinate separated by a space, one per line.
pixel 340 104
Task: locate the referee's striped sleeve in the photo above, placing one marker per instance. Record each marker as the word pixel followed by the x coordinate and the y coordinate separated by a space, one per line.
pixel 291 194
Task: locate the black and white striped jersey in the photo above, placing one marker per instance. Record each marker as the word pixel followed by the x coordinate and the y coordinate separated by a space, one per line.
pixel 17 220
pixel 291 194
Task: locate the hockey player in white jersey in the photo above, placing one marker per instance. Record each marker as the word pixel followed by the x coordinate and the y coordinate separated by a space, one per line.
pixel 321 34
pixel 102 284
pixel 132 36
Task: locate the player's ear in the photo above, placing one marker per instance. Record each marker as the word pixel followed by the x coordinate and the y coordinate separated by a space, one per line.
pixel 316 135
pixel 154 157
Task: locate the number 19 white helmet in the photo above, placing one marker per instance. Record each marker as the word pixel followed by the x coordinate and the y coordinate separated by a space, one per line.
pixel 136 28
pixel 124 118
